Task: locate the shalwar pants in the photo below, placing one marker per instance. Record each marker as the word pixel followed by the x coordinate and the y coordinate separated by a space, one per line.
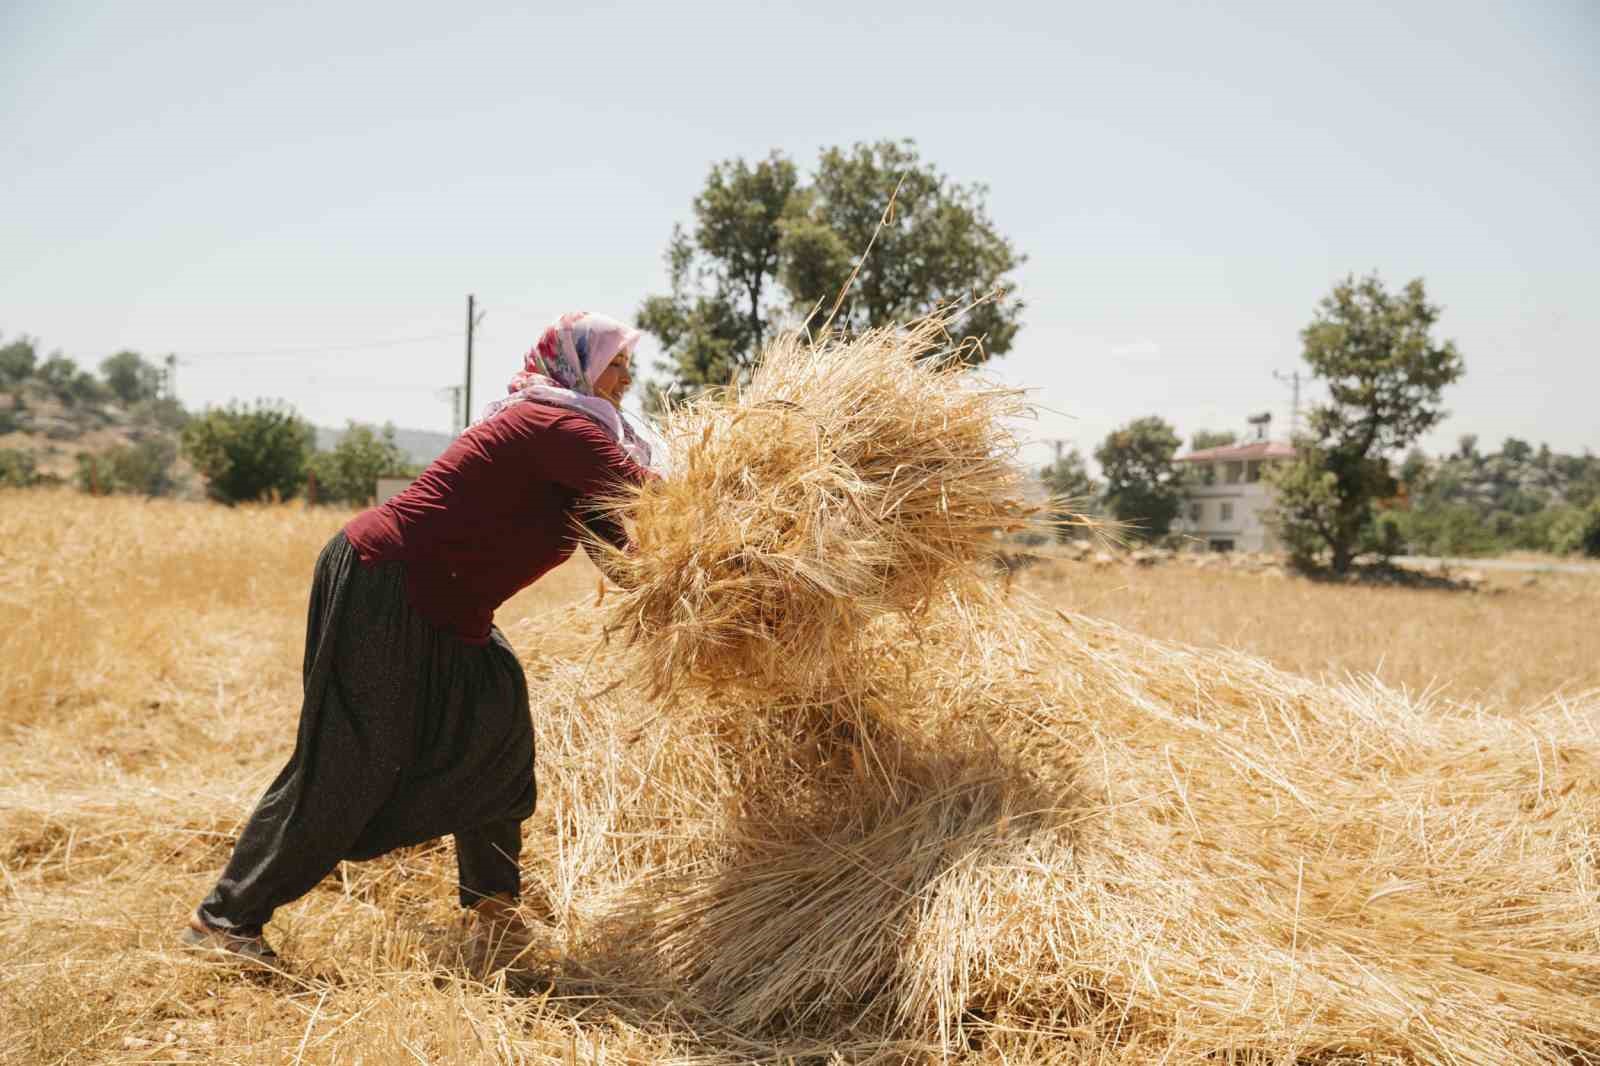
pixel 406 734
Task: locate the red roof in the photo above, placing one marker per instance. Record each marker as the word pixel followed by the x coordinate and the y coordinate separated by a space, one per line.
pixel 1259 449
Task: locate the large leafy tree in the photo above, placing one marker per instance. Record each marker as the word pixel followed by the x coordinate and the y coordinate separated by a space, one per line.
pixel 767 250
pixel 1384 371
pixel 724 272
pixel 249 453
pixel 939 245
pixel 1142 478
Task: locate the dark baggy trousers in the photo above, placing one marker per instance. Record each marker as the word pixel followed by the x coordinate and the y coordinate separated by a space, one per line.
pixel 406 734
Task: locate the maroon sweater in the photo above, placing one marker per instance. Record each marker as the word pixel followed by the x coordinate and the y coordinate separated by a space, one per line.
pixel 494 513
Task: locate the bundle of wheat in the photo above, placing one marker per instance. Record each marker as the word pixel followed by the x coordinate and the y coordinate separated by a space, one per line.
pixel 850 477
pixel 1025 823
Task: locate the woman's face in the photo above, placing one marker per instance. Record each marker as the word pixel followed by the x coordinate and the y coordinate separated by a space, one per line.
pixel 615 378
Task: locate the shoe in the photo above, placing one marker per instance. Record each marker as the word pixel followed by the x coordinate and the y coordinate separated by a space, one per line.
pixel 500 936
pixel 202 936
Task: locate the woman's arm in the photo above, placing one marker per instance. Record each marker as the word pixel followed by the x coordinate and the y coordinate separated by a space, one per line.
pixel 582 457
pixel 603 525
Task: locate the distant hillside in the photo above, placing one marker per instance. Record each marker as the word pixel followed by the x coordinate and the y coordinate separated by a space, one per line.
pixel 53 433
pixel 420 445
pixel 36 423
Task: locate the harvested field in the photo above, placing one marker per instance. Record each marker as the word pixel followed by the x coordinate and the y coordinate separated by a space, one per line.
pixel 1019 836
pixel 1510 644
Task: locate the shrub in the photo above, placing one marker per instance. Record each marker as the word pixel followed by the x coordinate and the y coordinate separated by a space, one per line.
pixel 249 453
pixel 143 469
pixel 349 472
pixel 1577 531
pixel 17 468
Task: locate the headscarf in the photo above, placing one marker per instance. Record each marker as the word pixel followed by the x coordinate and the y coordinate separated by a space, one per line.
pixel 563 366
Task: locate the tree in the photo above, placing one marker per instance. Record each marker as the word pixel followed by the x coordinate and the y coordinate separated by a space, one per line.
pixel 130 378
pixel 1212 438
pixel 249 453
pixel 1142 480
pixel 764 246
pixel 1384 374
pixel 69 382
pixel 349 472
pixel 724 274
pixel 18 360
pixel 1071 490
pixel 939 247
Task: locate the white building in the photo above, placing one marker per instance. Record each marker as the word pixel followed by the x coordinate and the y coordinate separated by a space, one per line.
pixel 1226 494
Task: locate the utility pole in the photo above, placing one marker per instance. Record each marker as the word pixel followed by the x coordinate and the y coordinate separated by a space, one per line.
pixel 1293 379
pixel 454 392
pixel 169 379
pixel 473 318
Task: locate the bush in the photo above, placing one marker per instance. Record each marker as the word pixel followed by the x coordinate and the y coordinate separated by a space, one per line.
pixel 249 453
pixel 1577 531
pixel 143 469
pixel 17 468
pixel 350 471
pixel 1384 537
pixel 164 412
pixel 1450 529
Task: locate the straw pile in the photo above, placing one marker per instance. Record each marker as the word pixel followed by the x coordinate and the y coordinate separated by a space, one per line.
pixel 848 479
pixel 951 821
pixel 1042 836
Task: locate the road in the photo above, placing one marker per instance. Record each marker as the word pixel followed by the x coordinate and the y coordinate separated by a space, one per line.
pixel 1428 562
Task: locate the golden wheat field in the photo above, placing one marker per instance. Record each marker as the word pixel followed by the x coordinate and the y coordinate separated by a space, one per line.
pixel 1081 844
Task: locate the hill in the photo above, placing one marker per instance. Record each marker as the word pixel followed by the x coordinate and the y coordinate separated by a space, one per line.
pixel 49 434
pixel 40 428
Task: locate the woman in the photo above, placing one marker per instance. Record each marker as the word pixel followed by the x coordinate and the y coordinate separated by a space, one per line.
pixel 415 721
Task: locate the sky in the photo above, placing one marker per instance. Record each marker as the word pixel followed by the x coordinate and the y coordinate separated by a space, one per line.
pixel 296 198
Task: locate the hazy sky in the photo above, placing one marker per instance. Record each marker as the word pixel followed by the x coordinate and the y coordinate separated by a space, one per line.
pixel 312 180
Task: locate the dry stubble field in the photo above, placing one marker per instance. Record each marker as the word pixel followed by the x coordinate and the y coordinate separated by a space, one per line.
pixel 1519 639
pixel 151 658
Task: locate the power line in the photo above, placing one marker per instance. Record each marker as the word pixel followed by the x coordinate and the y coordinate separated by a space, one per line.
pixel 367 384
pixel 321 349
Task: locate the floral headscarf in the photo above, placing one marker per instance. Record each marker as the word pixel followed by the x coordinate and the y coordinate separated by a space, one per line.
pixel 562 368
